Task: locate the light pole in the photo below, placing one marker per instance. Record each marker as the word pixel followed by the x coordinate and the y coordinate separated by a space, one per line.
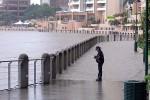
pixel 136 27
pixel 18 14
pixel 146 37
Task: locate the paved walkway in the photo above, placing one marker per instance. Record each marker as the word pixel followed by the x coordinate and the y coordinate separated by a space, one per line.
pixel 78 82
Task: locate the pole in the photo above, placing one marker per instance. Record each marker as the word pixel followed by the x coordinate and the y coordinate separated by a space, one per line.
pixel 136 29
pixel 146 39
pixel 18 10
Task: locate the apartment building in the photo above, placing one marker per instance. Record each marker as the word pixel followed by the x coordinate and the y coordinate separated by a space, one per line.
pixel 59 3
pixel 63 4
pixel 45 2
pixel 15 7
pixel 98 7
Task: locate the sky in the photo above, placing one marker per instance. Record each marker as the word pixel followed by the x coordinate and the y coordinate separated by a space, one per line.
pixel 35 1
pixel 32 1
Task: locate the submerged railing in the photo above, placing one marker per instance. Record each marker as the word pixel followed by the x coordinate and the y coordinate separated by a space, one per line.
pixel 46 68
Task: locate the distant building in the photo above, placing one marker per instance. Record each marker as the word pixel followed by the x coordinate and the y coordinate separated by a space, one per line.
pixel 97 7
pixel 134 10
pixel 15 7
pixel 143 4
pixel 56 3
pixel 115 6
pixel 45 2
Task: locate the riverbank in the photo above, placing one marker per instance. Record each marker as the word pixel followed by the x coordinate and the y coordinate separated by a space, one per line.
pixel 12 28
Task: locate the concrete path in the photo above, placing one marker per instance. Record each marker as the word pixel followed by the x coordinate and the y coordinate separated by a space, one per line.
pixel 121 64
pixel 78 81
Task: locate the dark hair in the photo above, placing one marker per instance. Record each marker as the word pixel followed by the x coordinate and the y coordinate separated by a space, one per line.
pixel 98 47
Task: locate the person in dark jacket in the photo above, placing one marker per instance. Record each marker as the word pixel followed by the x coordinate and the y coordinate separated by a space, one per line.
pixel 100 60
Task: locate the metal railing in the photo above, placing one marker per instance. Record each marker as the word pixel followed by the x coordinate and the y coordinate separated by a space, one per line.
pixel 10 62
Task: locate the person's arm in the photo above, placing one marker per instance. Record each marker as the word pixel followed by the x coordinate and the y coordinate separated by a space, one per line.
pixel 97 58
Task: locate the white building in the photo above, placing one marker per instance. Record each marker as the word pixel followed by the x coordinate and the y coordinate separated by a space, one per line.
pixel 75 5
pixel 45 2
pixel 98 7
pixel 114 7
pixel 143 5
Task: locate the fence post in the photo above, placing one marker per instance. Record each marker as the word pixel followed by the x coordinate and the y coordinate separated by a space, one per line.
pixel 114 36
pixel 53 66
pixel 69 57
pixel 78 51
pixel 75 52
pixel 65 59
pixel 107 38
pixel 62 60
pixel 23 71
pixel 72 55
pixel 57 61
pixel 120 36
pixel 45 68
pixel 60 63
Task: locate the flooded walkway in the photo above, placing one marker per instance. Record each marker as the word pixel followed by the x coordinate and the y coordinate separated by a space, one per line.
pixel 78 81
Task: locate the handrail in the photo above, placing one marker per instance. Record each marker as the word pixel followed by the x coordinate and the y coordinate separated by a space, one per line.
pixel 8 61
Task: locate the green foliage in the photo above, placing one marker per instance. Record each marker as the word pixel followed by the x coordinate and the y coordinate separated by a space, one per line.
pixel 143 22
pixel 110 17
pixel 7 18
pixel 39 11
pixel 141 41
pixel 114 22
pixel 147 78
pixel 33 12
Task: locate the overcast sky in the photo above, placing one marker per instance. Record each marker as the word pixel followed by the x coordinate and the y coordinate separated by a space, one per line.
pixel 35 1
pixel 32 1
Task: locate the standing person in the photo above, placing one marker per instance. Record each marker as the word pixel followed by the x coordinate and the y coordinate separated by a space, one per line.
pixel 100 60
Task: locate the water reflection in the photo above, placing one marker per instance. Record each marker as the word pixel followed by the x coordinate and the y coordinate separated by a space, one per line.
pixel 70 90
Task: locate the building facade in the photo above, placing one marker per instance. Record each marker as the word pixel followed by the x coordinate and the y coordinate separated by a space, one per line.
pixel 63 4
pixel 143 4
pixel 114 7
pixel 45 2
pixel 98 7
pixel 15 7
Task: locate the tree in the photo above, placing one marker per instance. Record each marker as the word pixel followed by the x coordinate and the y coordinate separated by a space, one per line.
pixel 39 11
pixel 143 20
pixel 114 22
pixel 7 18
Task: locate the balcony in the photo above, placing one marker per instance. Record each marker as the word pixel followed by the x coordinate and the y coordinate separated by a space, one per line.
pixel 101 1
pixel 74 2
pixel 101 8
pixel 75 10
pixel 89 1
pixel 89 9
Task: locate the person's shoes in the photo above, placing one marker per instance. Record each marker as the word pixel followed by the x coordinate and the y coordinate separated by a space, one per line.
pixel 99 79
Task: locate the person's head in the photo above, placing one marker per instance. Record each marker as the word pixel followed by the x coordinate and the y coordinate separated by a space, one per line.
pixel 98 48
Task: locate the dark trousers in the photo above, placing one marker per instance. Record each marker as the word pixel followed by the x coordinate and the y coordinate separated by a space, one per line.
pixel 100 70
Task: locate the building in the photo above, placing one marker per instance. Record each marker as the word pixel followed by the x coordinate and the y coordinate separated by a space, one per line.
pixel 143 5
pixel 97 7
pixel 115 7
pixel 63 4
pixel 15 7
pixel 134 10
pixel 45 2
